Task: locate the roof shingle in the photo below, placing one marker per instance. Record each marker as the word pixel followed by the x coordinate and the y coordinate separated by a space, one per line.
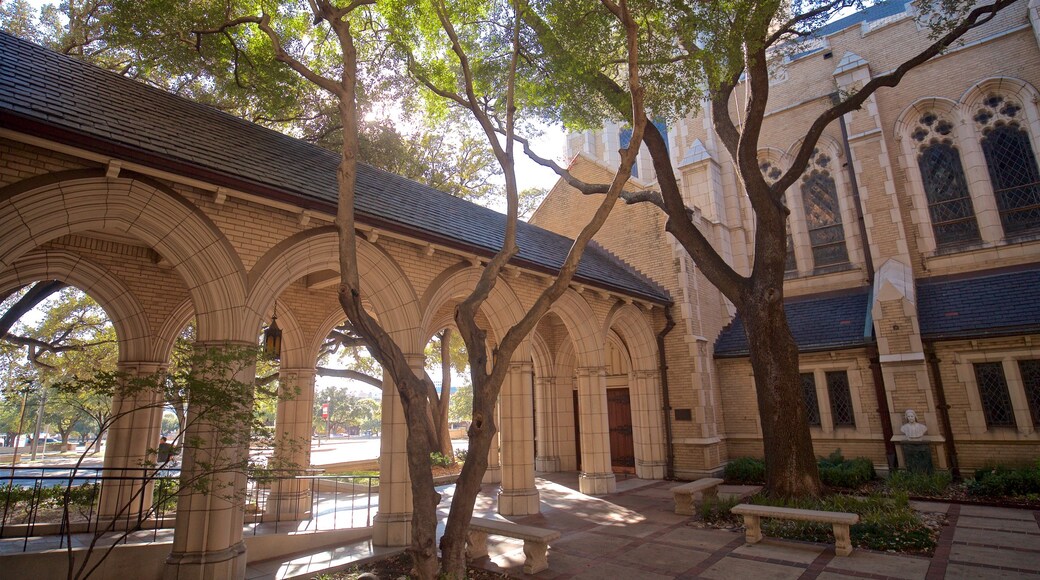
pixel 90 106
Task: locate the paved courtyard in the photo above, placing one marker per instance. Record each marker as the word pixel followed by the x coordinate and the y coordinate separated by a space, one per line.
pixel 635 535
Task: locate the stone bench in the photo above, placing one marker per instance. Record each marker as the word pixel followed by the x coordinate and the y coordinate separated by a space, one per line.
pixel 841 521
pixel 683 494
pixel 536 541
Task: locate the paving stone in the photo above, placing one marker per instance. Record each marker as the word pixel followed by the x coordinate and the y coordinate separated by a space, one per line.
pixel 998 524
pixel 995 556
pixel 930 507
pixel 966 572
pixel 591 544
pixel 730 568
pixel 694 538
pixel 891 565
pixel 774 549
pixel 617 571
pixel 994 538
pixel 663 558
pixel 995 512
pixel 641 531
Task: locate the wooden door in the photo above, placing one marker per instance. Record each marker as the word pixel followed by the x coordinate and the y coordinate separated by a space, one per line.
pixel 577 430
pixel 619 419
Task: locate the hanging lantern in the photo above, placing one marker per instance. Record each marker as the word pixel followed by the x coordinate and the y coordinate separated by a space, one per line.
pixel 273 340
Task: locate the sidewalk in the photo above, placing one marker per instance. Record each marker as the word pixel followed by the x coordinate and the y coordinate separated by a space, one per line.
pixel 635 534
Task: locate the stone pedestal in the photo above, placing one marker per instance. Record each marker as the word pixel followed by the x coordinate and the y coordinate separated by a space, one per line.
pixel 918 457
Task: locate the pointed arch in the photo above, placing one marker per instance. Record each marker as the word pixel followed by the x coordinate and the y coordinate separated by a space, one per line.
pixel 580 321
pixel 122 307
pixel 631 325
pixel 383 283
pixel 49 206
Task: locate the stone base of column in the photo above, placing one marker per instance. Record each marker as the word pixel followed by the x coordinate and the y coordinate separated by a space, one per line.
pixel 227 563
pixel 493 474
pixel 651 469
pixel 518 502
pixel 597 483
pixel 392 530
pixel 288 506
pixel 549 464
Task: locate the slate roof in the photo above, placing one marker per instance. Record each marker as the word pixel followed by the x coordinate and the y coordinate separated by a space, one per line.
pixel 818 323
pixel 59 98
pixel 982 304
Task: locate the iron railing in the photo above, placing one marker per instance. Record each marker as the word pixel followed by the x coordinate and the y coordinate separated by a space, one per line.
pixel 33 503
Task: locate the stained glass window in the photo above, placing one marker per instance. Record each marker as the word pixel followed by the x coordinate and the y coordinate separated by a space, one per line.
pixel 949 202
pixel 823 219
pixel 993 392
pixel 1016 180
pixel 841 399
pixel 812 403
pixel 1030 370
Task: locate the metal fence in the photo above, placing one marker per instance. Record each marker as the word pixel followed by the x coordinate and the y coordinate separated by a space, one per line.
pixel 137 504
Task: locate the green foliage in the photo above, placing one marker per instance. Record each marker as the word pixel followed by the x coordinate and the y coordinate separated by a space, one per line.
pixel 715 510
pixel 887 522
pixel 1003 481
pixel 461 455
pixel 460 407
pixel 345 410
pixel 440 460
pixel 836 471
pixel 919 484
pixel 746 470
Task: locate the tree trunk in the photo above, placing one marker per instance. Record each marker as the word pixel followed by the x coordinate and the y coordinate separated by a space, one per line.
pixel 791 469
pixel 481 432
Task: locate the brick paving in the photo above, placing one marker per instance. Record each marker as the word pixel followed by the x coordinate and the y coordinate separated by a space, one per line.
pixel 634 534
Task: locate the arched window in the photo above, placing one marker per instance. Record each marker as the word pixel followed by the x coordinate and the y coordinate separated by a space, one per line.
pixel 823 214
pixel 1011 164
pixel 945 186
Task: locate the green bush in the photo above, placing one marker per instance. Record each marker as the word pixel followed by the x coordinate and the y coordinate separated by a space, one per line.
pixel 438 459
pixel 836 471
pixel 746 470
pixel 919 483
pixel 715 510
pixel 1003 481
pixel 886 522
pixel 461 455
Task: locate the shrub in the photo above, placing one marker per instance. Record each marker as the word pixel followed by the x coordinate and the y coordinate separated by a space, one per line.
pixel 438 459
pixel 461 455
pixel 715 510
pixel 746 470
pixel 919 483
pixel 886 522
pixel 836 471
pixel 1002 481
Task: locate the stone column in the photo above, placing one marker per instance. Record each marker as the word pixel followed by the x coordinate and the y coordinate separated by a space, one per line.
pixel 207 540
pixel 519 496
pixel 290 499
pixel 393 522
pixel 648 432
pixel 596 476
pixel 494 469
pixel 135 430
pixel 547 451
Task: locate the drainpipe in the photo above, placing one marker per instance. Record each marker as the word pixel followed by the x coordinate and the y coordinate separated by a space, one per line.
pixel 868 262
pixel 662 368
pixel 943 407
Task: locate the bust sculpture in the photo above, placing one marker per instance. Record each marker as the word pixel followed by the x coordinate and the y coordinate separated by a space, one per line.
pixel 911 428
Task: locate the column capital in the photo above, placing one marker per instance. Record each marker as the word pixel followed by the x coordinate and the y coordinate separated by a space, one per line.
pixel 521 366
pixel 591 371
pixel 646 374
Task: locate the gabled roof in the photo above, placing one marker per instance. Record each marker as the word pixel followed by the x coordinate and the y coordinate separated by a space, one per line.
pixel 55 97
pixel 980 304
pixel 818 323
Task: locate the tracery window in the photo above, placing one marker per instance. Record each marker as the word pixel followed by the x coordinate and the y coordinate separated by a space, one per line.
pixel 1030 371
pixel 812 402
pixel 946 188
pixel 994 395
pixel 841 399
pixel 823 214
pixel 771 173
pixel 1011 163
